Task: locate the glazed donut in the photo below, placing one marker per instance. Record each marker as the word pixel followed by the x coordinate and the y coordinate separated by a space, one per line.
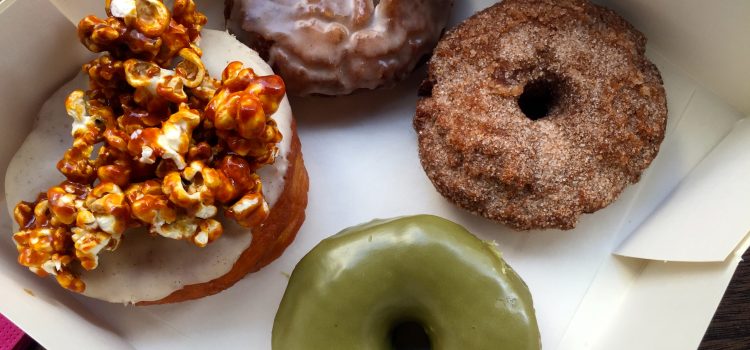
pixel 535 112
pixel 150 269
pixel 335 47
pixel 355 289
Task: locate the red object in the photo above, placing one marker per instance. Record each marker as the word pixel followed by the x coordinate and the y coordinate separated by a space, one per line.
pixel 12 337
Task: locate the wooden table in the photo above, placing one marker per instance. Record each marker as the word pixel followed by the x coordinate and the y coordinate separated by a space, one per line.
pixel 730 327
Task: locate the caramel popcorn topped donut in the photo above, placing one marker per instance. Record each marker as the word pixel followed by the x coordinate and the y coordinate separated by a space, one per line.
pixel 157 143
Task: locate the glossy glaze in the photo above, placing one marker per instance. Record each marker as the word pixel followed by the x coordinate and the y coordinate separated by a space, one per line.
pixel 354 287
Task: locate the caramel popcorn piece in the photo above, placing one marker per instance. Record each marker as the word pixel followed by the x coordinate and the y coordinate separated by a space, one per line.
pixel 176 147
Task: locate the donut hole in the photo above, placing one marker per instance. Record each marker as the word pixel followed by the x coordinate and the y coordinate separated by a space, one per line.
pixel 539 97
pixel 409 335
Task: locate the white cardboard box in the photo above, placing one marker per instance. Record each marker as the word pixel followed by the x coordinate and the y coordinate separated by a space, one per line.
pixel 645 273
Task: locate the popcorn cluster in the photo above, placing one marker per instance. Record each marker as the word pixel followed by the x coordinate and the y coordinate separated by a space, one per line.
pixel 174 146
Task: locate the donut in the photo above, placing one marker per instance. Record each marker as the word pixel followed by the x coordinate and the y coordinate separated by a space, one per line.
pixel 369 285
pixel 535 112
pixel 333 47
pixel 142 265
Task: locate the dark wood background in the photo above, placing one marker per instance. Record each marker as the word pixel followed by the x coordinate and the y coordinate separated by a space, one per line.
pixel 730 327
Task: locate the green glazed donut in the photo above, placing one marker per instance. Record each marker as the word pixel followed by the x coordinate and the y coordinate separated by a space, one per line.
pixel 353 288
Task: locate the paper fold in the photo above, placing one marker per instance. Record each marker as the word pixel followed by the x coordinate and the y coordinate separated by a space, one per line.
pixel 707 215
pixel 668 305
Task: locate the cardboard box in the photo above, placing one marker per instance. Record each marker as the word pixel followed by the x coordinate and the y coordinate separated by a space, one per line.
pixel 645 273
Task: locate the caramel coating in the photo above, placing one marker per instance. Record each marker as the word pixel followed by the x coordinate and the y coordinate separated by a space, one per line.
pixel 535 112
pixel 150 32
pixel 176 147
pixel 358 44
pixel 240 112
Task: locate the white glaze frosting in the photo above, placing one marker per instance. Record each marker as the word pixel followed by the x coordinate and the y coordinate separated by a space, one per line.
pixel 337 46
pixel 144 267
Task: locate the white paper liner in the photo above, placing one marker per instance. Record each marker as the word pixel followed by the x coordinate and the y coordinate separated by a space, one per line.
pixel 360 152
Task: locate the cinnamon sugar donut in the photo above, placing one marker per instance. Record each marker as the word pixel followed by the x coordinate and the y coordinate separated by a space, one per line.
pixel 333 47
pixel 537 111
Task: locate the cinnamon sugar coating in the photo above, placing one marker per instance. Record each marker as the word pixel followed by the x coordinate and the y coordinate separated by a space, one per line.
pixel 535 112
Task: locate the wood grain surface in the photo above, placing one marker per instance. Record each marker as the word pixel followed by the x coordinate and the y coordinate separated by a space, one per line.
pixel 730 327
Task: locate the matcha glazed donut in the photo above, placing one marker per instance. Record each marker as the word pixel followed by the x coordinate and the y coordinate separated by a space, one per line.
pixel 353 289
